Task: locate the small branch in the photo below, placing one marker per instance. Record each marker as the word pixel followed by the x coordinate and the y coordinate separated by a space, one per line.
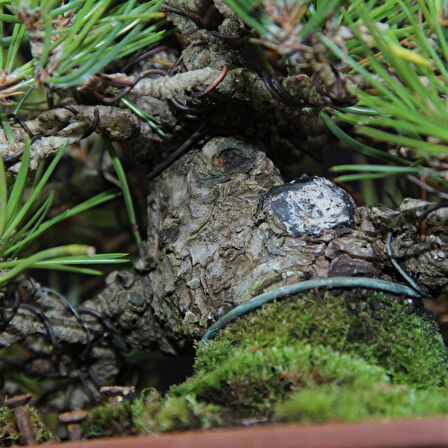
pixel 58 126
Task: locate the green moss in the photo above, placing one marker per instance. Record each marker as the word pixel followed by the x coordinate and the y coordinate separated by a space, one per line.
pixel 41 433
pixel 313 358
pixel 150 413
pixel 107 421
pixel 378 329
pixel 342 403
pixel 175 414
pixel 313 342
pixel 9 434
pixel 254 380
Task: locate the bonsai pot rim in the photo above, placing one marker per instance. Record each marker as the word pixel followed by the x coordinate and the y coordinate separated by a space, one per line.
pixel 416 433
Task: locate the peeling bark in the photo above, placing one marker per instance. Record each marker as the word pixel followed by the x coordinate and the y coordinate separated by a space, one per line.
pixel 60 126
pixel 218 236
pixel 242 93
pixel 223 228
pixel 223 224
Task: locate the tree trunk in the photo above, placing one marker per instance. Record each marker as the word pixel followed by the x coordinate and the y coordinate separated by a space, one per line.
pixel 224 228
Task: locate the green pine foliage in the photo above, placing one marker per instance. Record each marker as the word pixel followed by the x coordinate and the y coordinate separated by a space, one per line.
pixel 308 15
pixel 24 217
pixel 399 47
pixel 75 39
pixel 406 65
pixel 71 42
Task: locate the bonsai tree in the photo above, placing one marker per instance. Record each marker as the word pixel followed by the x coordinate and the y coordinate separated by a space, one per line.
pixel 224 114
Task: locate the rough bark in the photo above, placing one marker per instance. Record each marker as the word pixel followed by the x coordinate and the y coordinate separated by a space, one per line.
pixel 223 228
pixel 61 126
pixel 243 101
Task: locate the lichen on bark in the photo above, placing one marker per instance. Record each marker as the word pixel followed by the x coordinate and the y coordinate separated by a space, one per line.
pixel 216 238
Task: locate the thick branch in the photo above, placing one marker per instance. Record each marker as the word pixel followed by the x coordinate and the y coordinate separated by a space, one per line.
pixel 223 228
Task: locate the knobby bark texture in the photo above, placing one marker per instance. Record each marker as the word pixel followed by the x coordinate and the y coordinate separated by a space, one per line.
pixel 223 224
pixel 247 102
pixel 223 227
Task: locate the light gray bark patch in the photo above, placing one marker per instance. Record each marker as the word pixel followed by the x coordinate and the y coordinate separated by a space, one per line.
pixel 310 205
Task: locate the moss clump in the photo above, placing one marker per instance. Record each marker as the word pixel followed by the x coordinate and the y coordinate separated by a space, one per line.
pixel 254 380
pixel 378 329
pixel 9 434
pixel 107 421
pixel 175 413
pixel 312 358
pixel 342 403
pixel 149 414
pixel 315 343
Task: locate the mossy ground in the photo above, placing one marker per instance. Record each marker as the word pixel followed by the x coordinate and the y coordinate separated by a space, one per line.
pixel 9 434
pixel 304 359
